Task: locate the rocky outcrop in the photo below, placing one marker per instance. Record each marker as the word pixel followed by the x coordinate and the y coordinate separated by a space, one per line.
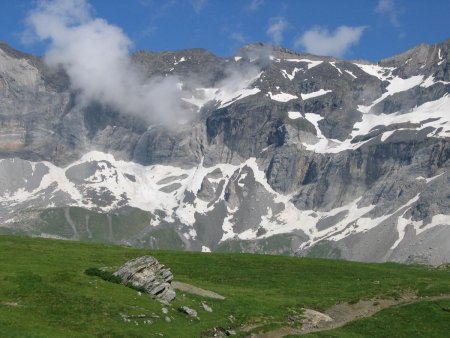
pixel 311 156
pixel 147 274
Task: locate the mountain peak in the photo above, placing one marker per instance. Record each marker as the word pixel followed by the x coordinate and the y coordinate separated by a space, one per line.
pixel 275 151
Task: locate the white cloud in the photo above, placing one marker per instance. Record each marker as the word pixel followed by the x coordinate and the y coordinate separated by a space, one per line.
pixel 277 26
pixel 95 55
pixel 388 7
pixel 255 4
pixel 321 41
pixel 198 5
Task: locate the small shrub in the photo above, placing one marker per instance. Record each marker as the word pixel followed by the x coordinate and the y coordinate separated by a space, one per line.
pixel 105 275
pixel 137 288
pixel 109 277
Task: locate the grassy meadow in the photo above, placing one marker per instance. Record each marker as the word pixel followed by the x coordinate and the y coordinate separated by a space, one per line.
pixel 44 292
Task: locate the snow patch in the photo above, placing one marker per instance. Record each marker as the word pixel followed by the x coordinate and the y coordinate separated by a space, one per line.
pixel 431 179
pixel 182 59
pixel 396 85
pixel 225 95
pixel 293 115
pixel 323 145
pixel 436 113
pixel 386 135
pixel 438 110
pixel 382 73
pixel 350 73
pixel 334 65
pixel 320 92
pixel 144 193
pixel 291 75
pixel 282 97
pixel 311 63
pixel 429 81
pixel 418 226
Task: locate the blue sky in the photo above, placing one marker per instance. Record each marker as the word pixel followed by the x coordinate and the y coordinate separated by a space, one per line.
pixel 350 29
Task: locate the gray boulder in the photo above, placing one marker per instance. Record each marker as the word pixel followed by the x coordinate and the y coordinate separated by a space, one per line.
pixel 206 307
pixel 148 274
pixel 188 311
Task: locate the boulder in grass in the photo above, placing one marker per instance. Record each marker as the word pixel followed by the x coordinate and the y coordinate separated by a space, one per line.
pixel 188 311
pixel 147 274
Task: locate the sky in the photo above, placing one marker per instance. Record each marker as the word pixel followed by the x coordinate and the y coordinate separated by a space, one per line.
pixel 348 29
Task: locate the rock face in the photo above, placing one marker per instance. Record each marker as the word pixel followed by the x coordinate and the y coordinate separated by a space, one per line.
pixel 288 153
pixel 148 274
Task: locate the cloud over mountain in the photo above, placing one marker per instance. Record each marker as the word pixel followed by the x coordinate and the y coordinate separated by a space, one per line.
pixel 320 40
pixel 96 56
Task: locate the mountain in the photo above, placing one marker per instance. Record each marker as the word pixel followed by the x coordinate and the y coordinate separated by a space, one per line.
pixel 280 152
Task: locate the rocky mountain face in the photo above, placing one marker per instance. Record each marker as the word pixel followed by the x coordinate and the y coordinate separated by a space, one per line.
pixel 286 153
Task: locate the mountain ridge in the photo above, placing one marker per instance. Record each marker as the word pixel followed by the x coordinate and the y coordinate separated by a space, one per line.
pixel 311 153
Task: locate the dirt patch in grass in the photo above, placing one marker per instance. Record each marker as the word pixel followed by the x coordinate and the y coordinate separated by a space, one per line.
pixel 343 313
pixel 194 290
pixel 10 303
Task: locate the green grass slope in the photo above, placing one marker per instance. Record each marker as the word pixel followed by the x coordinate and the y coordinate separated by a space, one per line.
pixel 44 291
